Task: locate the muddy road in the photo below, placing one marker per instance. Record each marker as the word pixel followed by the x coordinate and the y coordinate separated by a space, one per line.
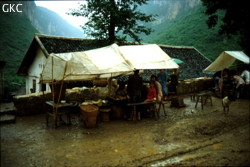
pixel 186 137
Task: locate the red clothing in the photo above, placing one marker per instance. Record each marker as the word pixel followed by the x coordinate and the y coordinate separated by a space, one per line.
pixel 151 93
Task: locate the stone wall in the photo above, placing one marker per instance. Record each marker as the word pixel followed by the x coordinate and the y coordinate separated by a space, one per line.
pixel 194 85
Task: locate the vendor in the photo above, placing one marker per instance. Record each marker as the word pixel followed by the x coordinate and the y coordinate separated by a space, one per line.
pixel 239 84
pixel 151 94
pixel 163 78
pixel 173 81
pixel 134 89
pixel 158 87
pixel 246 76
pixel 217 79
pixel 121 92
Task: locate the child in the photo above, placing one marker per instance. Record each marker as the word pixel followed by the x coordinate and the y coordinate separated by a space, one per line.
pixel 151 95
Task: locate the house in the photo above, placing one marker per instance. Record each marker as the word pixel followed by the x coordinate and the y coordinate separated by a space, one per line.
pixel 40 48
pixel 2 64
pixel 43 45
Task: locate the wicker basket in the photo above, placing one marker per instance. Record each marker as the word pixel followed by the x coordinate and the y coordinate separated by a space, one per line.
pixel 89 113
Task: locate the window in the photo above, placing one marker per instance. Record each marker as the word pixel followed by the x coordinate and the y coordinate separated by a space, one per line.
pixel 33 90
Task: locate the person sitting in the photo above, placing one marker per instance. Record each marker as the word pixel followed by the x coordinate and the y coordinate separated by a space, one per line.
pixel 151 95
pixel 122 96
pixel 121 92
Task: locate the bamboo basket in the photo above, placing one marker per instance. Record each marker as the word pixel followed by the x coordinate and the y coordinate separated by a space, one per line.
pixel 89 113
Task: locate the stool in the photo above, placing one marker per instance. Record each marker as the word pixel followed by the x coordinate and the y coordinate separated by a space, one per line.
pixel 161 104
pixel 193 90
pixel 203 98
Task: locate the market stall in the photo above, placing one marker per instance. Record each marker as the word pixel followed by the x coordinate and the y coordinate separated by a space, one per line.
pixel 224 61
pixel 106 62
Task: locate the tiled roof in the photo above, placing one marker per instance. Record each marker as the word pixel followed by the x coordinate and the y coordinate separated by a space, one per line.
pixel 64 45
pixel 194 61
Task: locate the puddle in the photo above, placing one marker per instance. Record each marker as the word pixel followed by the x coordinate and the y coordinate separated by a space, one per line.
pixel 167 162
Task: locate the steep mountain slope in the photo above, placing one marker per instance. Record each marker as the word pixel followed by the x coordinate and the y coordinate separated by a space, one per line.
pixel 17 31
pixel 190 29
pixel 49 22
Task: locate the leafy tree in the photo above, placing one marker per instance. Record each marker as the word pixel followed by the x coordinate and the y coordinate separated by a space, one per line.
pixel 235 20
pixel 113 20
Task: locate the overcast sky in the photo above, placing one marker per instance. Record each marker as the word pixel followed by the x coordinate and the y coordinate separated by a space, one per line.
pixel 61 7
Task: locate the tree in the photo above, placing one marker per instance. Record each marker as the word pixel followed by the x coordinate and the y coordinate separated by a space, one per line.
pixel 235 20
pixel 113 20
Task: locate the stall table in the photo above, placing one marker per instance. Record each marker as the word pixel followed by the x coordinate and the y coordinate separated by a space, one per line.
pixel 156 110
pixel 56 110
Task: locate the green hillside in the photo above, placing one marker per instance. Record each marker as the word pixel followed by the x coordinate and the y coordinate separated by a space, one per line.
pixel 16 35
pixel 191 30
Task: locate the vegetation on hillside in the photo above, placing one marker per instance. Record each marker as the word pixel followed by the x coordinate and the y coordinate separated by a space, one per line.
pixel 234 22
pixel 191 29
pixel 16 35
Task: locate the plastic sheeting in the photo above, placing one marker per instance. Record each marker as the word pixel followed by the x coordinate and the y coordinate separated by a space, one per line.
pixel 105 62
pixel 226 59
pixel 149 56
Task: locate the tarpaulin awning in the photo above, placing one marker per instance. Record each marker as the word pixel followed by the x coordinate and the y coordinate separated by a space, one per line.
pixel 105 62
pixel 149 56
pixel 97 63
pixel 226 59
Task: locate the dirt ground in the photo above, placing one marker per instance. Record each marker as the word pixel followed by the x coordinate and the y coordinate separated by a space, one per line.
pixel 185 137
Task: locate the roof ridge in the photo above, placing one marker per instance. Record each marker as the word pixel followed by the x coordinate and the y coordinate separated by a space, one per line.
pixel 61 37
pixel 180 47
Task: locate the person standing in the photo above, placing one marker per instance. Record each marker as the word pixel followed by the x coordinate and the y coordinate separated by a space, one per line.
pixel 163 78
pixel 173 82
pixel 158 87
pixel 217 79
pixel 246 76
pixel 239 84
pixel 134 89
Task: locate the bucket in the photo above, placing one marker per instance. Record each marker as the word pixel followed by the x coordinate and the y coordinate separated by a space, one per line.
pixel 89 113
pixel 105 114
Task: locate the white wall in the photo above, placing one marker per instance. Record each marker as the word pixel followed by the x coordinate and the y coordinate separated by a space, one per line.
pixel 35 71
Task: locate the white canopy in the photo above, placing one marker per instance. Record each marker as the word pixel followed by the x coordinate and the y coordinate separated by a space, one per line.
pixel 149 56
pixel 226 59
pixel 96 63
pixel 105 62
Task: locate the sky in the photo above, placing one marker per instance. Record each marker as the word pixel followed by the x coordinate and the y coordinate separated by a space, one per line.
pixel 61 7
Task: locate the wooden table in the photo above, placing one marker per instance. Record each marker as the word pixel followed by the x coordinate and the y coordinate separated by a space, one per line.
pixel 156 110
pixel 57 111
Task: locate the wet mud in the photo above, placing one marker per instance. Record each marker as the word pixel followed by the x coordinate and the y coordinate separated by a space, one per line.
pixel 187 136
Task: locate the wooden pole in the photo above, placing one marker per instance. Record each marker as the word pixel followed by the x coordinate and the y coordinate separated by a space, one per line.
pixel 221 84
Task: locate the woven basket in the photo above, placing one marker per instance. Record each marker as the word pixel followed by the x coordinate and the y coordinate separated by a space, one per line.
pixel 89 113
